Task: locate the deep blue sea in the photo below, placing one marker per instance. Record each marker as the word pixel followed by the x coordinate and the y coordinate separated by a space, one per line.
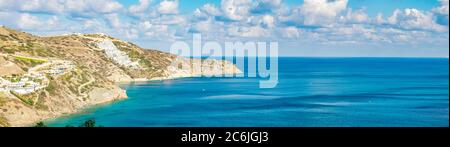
pixel 312 92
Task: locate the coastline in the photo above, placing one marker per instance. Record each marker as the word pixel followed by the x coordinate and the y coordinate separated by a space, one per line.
pixel 114 93
pixel 122 96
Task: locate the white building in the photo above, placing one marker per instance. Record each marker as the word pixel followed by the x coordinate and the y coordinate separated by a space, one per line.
pixel 116 55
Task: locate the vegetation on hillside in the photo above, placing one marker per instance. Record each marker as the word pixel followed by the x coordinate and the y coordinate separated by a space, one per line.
pixel 24 99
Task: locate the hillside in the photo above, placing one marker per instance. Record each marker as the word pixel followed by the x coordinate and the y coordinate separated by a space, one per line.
pixel 46 77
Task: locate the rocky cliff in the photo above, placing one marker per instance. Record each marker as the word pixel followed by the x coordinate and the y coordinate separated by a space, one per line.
pixel 47 77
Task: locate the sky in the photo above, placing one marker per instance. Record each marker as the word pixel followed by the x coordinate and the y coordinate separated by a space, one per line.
pixel 323 28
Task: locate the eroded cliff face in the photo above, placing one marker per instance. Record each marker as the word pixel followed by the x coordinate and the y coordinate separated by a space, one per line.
pixel 46 77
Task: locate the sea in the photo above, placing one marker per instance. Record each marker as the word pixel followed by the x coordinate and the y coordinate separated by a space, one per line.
pixel 311 92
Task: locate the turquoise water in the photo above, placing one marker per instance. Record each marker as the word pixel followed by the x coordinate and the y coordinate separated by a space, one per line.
pixel 324 92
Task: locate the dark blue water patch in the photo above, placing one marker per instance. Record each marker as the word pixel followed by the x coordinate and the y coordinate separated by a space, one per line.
pixel 405 92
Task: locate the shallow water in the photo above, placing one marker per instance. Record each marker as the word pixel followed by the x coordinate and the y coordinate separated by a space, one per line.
pixel 325 92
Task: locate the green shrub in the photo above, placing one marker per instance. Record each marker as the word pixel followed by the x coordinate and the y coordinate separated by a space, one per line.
pixel 24 100
pixel 88 123
pixel 51 88
pixel 40 125
pixel 8 50
pixel 31 60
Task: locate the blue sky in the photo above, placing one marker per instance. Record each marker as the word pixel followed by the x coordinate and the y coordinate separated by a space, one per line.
pixel 357 28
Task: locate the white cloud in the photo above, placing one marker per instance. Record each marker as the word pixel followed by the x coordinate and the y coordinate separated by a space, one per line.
pixel 393 18
pixel 148 28
pixel 145 25
pixel 132 33
pixel 264 6
pixel 268 21
pixel 354 33
pixel 236 9
pixel 46 6
pixel 27 21
pixel 443 8
pixel 39 6
pixel 84 8
pixel 415 19
pixel 320 12
pixel 205 13
pixel 211 9
pixel 91 24
pixel 290 32
pixel 202 26
pixel 8 18
pixel 141 7
pixel 204 21
pixel 170 20
pixel 53 21
pixel 252 32
pixel 358 16
pixel 379 19
pixel 168 7
pixel 114 20
pixel 159 32
pixel 104 6
pixel 158 21
pixel 442 12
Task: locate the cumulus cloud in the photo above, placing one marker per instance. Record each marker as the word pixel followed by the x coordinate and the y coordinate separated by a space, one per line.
pixel 91 24
pixel 316 13
pixel 442 12
pixel 290 32
pixel 379 19
pixel 44 6
pixel 105 6
pixel 236 10
pixel 37 6
pixel 250 32
pixel 208 9
pixel 264 6
pixel 203 26
pixel 170 20
pixel 237 17
pixel 415 19
pixel 150 20
pixel 204 21
pixel 28 22
pixel 320 12
pixel 89 8
pixel 268 21
pixel 443 8
pixel 168 7
pixel 141 7
pixel 114 20
pixel 358 16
